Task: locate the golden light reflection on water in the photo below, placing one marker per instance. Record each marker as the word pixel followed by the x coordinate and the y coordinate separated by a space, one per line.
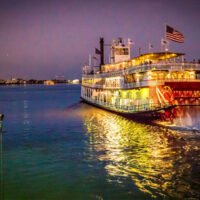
pixel 159 161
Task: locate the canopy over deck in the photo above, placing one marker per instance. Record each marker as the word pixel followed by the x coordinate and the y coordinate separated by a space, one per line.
pixel 158 56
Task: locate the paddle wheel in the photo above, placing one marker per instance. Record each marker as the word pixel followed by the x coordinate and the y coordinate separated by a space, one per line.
pixel 168 94
pixel 165 96
pixel 185 93
pixel 186 97
pixel 179 94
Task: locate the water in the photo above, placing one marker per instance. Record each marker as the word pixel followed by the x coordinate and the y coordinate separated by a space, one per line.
pixel 53 150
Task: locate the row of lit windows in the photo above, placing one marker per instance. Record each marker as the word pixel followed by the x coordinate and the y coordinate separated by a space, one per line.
pixel 131 78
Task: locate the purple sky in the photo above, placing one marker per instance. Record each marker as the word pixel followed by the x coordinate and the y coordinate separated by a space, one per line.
pixel 44 38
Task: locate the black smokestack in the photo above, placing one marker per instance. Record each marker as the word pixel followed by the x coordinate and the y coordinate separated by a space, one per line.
pixel 102 51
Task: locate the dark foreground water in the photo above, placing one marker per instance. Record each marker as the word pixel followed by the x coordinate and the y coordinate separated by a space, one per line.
pixel 52 150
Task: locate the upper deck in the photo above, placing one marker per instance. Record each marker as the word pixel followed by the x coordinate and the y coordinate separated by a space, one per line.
pixel 145 70
pixel 162 61
pixel 146 67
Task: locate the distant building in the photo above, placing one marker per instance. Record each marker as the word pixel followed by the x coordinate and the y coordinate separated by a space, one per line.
pixel 76 81
pixel 2 81
pixel 12 81
pixel 49 82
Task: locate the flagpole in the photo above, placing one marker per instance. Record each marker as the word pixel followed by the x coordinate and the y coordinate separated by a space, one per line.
pixel 90 60
pixel 165 36
pixel 149 47
pixel 166 46
pixel 162 45
pixel 139 51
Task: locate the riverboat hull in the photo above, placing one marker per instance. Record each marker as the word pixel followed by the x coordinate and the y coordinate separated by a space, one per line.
pixel 147 115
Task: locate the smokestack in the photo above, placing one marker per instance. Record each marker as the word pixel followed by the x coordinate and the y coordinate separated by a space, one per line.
pixel 102 50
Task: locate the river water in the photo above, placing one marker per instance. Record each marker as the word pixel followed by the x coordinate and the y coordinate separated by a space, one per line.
pixel 53 147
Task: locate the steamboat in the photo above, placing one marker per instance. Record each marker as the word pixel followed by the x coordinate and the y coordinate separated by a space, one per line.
pixel 147 84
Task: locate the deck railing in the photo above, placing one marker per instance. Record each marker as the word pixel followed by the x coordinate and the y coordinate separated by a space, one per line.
pixel 127 108
pixel 139 84
pixel 146 67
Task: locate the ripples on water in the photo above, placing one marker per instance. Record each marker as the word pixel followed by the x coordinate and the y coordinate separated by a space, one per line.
pixel 159 161
pixel 56 151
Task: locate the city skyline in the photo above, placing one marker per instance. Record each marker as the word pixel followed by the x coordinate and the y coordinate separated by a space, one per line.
pixel 45 39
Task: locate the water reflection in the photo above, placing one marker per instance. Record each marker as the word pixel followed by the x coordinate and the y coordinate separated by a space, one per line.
pixel 160 162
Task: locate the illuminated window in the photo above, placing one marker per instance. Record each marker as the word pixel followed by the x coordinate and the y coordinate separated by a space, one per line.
pixel 121 51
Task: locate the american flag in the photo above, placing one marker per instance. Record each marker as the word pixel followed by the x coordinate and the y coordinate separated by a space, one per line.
pixel 174 35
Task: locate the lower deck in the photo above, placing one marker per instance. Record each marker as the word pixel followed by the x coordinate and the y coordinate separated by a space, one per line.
pixel 146 99
pixel 125 101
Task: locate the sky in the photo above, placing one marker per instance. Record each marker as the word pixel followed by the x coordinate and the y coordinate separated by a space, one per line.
pixel 47 39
